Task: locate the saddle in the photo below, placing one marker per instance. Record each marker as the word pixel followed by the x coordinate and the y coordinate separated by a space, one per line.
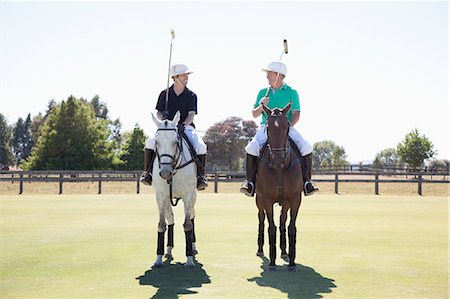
pixel 294 147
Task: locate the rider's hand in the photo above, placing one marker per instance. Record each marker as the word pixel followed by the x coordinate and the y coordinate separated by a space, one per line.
pixel 264 101
pixel 180 128
pixel 165 114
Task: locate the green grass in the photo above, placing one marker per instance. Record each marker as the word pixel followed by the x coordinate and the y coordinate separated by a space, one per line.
pixel 103 246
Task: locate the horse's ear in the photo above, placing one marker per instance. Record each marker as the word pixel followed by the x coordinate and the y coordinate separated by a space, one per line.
pixel 267 110
pixel 176 118
pixel 155 120
pixel 286 108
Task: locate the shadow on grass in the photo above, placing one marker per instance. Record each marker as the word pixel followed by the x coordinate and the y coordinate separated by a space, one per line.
pixel 305 283
pixel 173 280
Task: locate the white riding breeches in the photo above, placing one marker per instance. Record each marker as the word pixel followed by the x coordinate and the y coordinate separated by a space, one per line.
pixel 255 145
pixel 197 142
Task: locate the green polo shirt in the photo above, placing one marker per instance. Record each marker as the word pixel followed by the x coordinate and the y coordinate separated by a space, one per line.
pixel 279 99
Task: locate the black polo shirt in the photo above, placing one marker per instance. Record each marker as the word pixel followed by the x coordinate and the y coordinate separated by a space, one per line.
pixel 185 102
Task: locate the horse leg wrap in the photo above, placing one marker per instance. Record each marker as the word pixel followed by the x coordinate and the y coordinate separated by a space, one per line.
pixel 292 240
pixel 160 249
pixel 283 239
pixel 272 243
pixel 170 236
pixel 188 235
pixel 193 230
pixel 260 237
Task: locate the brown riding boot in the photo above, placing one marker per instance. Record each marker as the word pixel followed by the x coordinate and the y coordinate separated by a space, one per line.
pixel 248 186
pixel 146 176
pixel 202 182
pixel 310 187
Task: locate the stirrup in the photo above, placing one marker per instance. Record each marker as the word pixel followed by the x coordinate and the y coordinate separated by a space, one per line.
pixel 248 188
pixel 146 178
pixel 310 188
pixel 202 183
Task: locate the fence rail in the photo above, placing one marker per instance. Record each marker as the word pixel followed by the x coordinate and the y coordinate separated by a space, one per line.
pixel 217 177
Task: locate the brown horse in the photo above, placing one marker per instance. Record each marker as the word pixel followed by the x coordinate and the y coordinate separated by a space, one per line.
pixel 279 180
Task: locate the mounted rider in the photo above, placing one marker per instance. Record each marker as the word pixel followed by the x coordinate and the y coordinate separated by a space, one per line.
pixel 181 99
pixel 278 95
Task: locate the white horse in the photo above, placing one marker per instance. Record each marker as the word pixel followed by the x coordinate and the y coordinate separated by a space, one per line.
pixel 174 176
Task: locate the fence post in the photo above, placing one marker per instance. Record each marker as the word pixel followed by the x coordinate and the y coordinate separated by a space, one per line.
pixel 21 184
pixel 138 186
pixel 60 183
pixel 100 183
pixel 216 182
pixel 336 182
pixel 419 185
pixel 376 184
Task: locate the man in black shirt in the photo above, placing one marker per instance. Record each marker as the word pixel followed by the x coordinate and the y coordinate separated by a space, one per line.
pixel 184 100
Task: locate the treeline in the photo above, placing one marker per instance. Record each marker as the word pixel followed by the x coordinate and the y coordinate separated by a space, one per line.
pixel 78 134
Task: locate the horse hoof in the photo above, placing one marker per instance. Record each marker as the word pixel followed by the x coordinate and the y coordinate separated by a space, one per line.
pixel 285 257
pixel 260 254
pixel 292 268
pixel 156 266
pixel 168 256
pixel 272 268
pixel 195 252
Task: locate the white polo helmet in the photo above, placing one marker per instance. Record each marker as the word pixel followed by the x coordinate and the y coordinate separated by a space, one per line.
pixel 179 69
pixel 277 67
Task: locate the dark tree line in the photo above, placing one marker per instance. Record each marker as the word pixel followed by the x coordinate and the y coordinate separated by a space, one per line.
pixel 75 134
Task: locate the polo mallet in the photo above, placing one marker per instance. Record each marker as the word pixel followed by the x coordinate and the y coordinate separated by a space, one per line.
pixel 166 110
pixel 285 51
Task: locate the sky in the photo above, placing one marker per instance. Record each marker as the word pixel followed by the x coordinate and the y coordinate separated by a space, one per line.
pixel 367 73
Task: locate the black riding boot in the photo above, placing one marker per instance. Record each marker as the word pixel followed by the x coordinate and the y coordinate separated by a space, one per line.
pixel 310 187
pixel 248 186
pixel 146 176
pixel 202 183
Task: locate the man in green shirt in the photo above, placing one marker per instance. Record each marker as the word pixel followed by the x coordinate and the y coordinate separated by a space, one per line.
pixel 278 96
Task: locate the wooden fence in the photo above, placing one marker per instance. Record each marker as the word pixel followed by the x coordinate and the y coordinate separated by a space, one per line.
pixel 218 177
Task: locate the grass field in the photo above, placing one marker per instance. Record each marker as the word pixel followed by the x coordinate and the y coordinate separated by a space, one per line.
pixel 103 246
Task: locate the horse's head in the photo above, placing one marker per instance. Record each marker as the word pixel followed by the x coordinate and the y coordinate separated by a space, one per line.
pixel 277 132
pixel 167 146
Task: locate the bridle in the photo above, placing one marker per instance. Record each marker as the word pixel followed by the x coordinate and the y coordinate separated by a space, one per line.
pixel 175 159
pixel 284 152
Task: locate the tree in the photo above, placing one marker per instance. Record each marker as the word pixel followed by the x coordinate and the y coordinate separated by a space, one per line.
pixel 439 165
pixel 133 150
pixel 35 126
pixel 22 139
pixel 386 158
pixel 326 153
pixel 415 149
pixel 72 138
pixel 101 111
pixel 6 155
pixel 226 141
